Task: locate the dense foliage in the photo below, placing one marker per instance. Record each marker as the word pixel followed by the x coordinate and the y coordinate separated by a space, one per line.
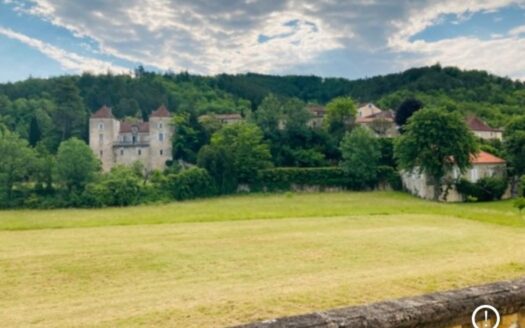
pixel 435 142
pixel 485 189
pixel 44 128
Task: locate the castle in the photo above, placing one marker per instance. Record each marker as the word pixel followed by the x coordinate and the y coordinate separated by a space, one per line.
pixel 117 142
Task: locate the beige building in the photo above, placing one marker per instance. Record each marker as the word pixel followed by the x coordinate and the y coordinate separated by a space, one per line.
pixel 482 130
pixel 367 110
pixel 483 165
pixel 228 118
pixel 381 123
pixel 117 142
pixel 318 112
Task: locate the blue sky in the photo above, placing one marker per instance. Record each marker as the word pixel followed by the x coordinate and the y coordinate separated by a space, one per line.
pixel 351 39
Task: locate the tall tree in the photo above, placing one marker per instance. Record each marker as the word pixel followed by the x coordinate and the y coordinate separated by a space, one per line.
pixel 434 142
pixel 76 164
pixel 16 161
pixel 514 145
pixel 243 144
pixel 70 114
pixel 406 110
pixel 35 134
pixel 361 154
pixel 340 115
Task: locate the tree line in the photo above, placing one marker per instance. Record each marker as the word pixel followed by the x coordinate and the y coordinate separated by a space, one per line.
pixel 47 163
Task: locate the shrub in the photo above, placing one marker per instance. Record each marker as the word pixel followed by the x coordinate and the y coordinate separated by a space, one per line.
pixel 519 203
pixel 281 179
pixel 485 189
pixel 191 183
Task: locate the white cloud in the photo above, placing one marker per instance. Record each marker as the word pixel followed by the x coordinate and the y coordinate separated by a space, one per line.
pixel 222 36
pixel 69 61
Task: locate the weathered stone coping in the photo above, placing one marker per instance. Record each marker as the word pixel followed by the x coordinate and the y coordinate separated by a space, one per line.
pixel 443 309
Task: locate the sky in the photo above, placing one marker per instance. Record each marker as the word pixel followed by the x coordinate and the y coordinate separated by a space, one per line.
pixel 329 38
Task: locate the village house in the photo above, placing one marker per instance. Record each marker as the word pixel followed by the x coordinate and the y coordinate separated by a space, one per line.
pixel 230 118
pixel 317 112
pixel 482 130
pixel 119 142
pixel 483 165
pixel 381 123
pixel 367 110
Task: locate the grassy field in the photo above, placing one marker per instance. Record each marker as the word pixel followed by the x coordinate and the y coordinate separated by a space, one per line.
pixel 236 259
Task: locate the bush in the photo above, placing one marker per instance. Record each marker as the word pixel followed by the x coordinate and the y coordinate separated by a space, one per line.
pixel 519 203
pixel 485 189
pixel 120 187
pixel 191 183
pixel 281 179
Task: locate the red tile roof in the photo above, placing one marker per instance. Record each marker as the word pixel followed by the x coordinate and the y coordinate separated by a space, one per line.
pixel 476 124
pixel 127 127
pixel 485 158
pixel 162 111
pixel 103 112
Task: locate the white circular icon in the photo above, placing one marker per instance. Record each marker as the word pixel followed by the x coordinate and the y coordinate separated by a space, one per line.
pixel 489 312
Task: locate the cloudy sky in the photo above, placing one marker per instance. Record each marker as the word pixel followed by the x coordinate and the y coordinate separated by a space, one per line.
pixel 353 38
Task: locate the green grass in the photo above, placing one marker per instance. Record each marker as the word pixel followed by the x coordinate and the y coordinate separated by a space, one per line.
pixel 235 259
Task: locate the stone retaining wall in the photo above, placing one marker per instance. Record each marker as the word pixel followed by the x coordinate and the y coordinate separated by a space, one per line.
pixel 452 309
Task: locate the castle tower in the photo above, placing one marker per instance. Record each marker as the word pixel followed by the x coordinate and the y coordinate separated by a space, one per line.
pixel 161 132
pixel 103 132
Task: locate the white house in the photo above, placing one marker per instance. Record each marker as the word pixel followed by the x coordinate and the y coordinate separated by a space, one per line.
pixel 483 165
pixel 482 130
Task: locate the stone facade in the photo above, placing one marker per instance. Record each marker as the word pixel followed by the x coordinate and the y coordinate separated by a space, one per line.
pixel 483 165
pixel 451 309
pixel 117 142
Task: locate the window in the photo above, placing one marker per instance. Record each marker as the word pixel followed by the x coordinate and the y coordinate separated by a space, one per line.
pixel 161 136
pixel 121 152
pixel 161 152
pixel 140 152
pixel 101 153
pixel 101 126
pixel 160 125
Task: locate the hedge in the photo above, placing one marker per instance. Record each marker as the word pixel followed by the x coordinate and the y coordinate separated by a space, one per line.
pixel 485 189
pixel 279 179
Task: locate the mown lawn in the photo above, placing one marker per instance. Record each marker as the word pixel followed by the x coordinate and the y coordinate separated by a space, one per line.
pixel 236 259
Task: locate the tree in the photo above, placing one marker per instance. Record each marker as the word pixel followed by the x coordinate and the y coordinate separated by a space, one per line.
pixel 361 155
pixel 269 115
pixel 189 138
pixel 340 115
pixel 243 144
pixel 34 132
pixel 406 110
pixel 70 114
pixel 514 145
pixel 76 164
pixel 434 142
pixel 16 161
pixel 219 164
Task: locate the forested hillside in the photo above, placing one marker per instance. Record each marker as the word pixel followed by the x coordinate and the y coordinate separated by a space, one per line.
pixel 59 107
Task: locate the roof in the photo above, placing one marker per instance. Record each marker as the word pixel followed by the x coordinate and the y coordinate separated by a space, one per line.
pixel 127 127
pixel 103 112
pixel 162 111
pixel 230 116
pixel 476 124
pixel 316 109
pixel 386 115
pixel 486 158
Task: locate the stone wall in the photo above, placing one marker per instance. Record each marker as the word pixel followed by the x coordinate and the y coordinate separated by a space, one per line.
pixel 451 309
